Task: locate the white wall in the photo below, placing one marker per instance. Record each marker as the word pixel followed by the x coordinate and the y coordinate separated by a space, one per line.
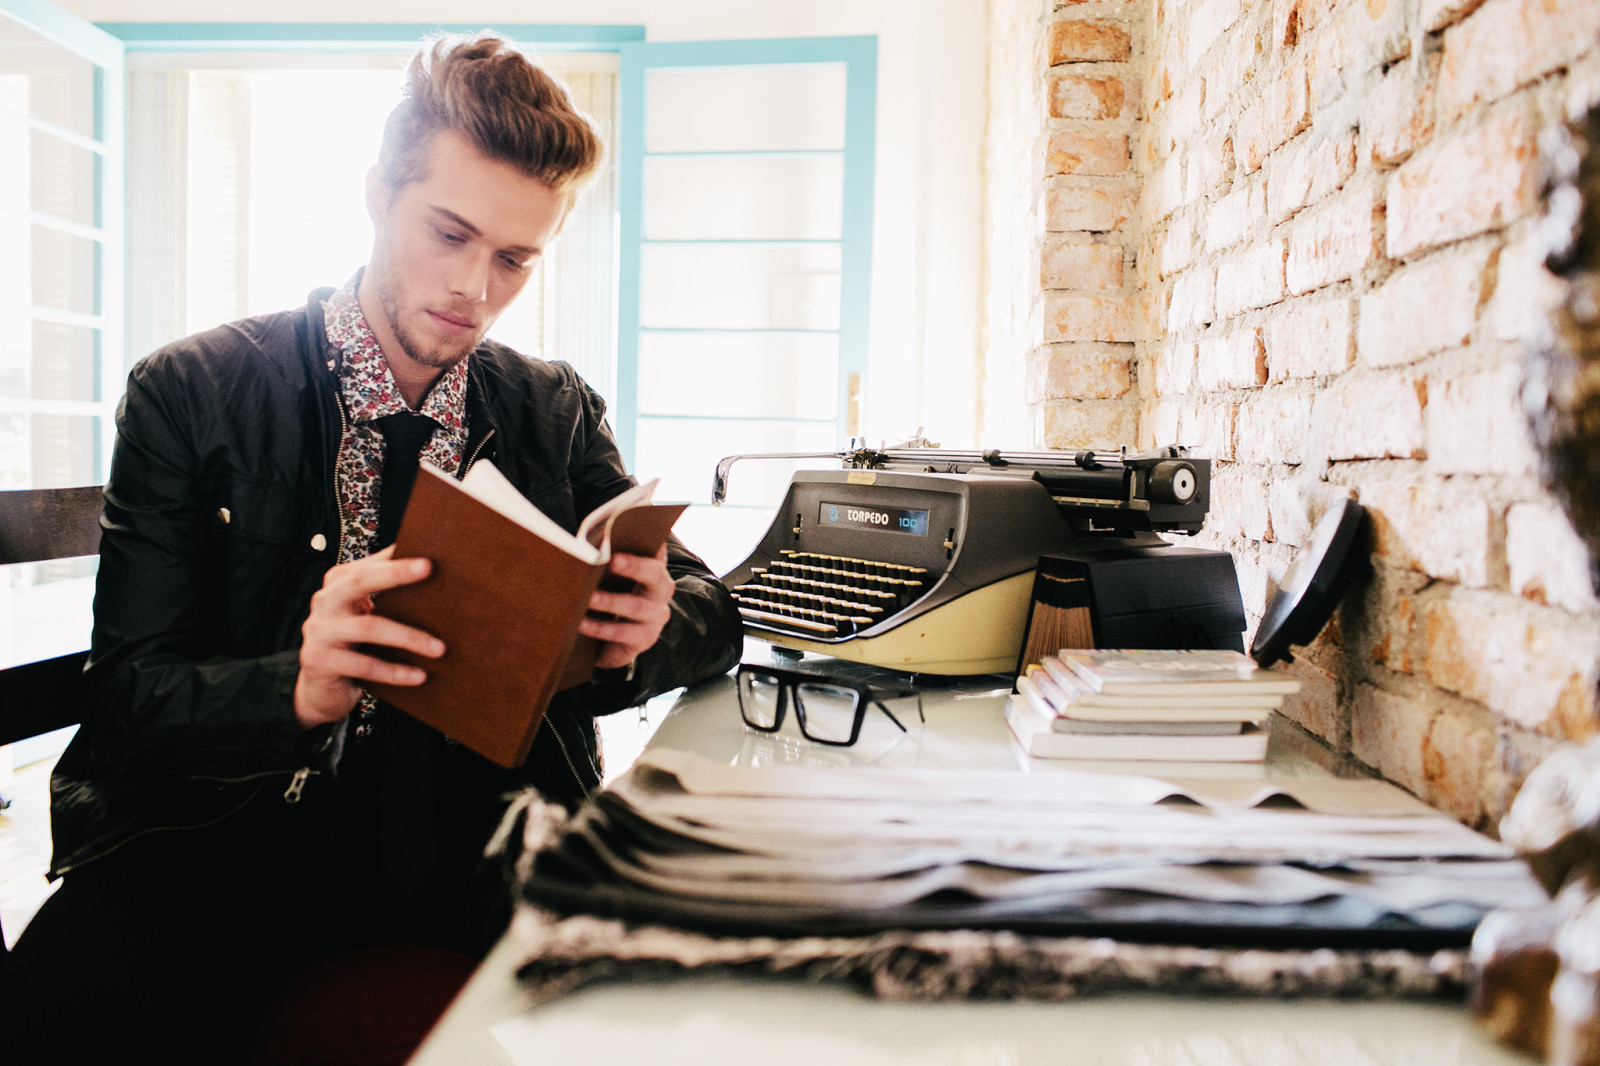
pixel 924 361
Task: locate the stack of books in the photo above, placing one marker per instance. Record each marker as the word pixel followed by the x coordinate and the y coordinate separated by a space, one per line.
pixel 1199 706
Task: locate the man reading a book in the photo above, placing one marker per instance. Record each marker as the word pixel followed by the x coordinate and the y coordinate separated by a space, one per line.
pixel 236 804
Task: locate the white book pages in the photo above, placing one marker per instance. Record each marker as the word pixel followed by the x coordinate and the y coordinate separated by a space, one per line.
pixel 486 484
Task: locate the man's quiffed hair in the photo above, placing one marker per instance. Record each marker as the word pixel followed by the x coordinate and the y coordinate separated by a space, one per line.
pixel 511 109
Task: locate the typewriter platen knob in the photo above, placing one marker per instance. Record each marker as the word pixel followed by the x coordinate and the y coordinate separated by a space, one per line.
pixel 1172 481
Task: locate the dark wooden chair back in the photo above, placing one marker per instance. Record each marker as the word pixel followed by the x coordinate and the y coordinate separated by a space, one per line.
pixel 37 525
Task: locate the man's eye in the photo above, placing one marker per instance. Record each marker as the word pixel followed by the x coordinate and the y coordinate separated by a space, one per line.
pixel 451 238
pixel 512 262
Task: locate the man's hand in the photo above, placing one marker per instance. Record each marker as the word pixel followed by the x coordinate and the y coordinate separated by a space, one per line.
pixel 331 665
pixel 640 614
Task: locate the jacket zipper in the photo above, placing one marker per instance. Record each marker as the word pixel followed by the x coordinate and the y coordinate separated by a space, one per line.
pixel 565 754
pixel 476 452
pixel 97 856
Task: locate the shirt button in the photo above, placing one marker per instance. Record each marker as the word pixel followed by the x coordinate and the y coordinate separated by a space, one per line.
pixel 224 514
pixel 318 542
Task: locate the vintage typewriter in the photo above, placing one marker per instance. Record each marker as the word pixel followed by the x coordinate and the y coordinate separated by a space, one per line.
pixel 931 561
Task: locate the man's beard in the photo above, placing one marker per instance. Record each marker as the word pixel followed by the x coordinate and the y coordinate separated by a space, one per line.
pixel 416 351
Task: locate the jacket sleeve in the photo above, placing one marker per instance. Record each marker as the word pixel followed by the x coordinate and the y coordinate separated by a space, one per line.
pixel 704 636
pixel 165 698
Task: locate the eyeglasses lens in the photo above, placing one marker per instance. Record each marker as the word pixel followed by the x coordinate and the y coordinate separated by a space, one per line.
pixel 829 711
pixel 760 700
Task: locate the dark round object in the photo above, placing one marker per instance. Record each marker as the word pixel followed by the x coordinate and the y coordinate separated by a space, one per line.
pixel 1311 589
pixel 1173 481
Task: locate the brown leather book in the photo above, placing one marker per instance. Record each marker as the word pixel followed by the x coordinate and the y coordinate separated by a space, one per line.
pixel 506 600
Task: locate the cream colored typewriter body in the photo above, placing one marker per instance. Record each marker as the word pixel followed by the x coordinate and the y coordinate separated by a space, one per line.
pixel 923 560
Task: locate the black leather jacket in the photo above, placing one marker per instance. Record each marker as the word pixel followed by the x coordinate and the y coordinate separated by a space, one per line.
pixel 221 518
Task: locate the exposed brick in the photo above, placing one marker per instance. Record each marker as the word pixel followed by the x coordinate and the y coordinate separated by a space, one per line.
pixel 1087 96
pixel 1449 286
pixel 1333 241
pixel 1175 367
pixel 1394 636
pixel 1317 706
pixel 1386 732
pixel 1437 14
pixel 1169 186
pixel 1251 279
pixel 1194 298
pixel 1239 505
pixel 1234 68
pixel 1455 752
pixel 1474 182
pixel 1210 165
pixel 1080 266
pixel 1509 43
pixel 1397 116
pixel 1532 665
pixel 1549 563
pixel 1233 360
pixel 1274 427
pixel 1439 527
pixel 1208 429
pixel 1163 421
pixel 1372 417
pixel 1088 318
pixel 1086 424
pixel 1086 152
pixel 1475 425
pixel 1078 372
pixel 1088 41
pixel 1185 117
pixel 1308 338
pixel 1296 504
pixel 1178 245
pixel 1236 214
pixel 1355 38
pixel 1283 110
pixel 1308 170
pixel 1205 23
pixel 1524 291
pixel 1285 24
pixel 1095 209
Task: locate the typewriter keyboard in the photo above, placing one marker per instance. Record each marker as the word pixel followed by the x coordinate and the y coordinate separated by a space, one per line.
pixel 827 595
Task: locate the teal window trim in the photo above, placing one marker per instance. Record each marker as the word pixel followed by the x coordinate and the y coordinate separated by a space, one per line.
pixel 860 56
pixel 106 53
pixel 352 36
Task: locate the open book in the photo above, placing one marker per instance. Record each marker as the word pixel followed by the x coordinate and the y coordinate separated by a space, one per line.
pixel 508 589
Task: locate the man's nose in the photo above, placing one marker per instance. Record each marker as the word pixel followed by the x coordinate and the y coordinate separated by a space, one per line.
pixel 471 279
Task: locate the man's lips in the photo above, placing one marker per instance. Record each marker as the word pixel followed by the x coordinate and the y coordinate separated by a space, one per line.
pixel 452 322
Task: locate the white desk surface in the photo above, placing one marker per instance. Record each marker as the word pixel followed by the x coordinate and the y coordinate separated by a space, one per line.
pixel 711 1021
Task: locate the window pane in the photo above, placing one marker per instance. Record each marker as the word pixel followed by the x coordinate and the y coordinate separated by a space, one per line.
pixel 760 375
pixel 42 79
pixel 684 454
pixel 39 451
pixel 65 271
pixel 62 179
pixel 731 287
pixel 45 609
pixel 46 360
pixel 745 108
pixel 756 197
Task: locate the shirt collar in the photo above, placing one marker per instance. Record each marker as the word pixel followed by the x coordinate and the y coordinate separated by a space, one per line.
pixel 368 384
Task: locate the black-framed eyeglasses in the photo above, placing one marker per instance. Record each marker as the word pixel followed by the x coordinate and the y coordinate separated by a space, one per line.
pixel 829 711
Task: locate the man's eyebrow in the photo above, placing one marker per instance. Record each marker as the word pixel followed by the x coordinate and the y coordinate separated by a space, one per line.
pixel 519 249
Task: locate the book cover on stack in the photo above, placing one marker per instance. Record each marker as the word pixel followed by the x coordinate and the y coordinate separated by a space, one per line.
pixel 1200 706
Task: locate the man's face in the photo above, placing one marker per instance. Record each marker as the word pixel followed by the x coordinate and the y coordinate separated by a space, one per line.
pixel 451 251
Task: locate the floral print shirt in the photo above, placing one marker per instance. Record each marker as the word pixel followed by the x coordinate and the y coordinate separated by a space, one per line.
pixel 368 391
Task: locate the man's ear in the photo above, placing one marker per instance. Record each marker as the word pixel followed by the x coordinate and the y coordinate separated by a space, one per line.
pixel 378 195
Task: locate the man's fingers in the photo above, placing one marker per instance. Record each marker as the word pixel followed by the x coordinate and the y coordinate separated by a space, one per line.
pixel 377 573
pixel 358 667
pixel 630 606
pixel 375 629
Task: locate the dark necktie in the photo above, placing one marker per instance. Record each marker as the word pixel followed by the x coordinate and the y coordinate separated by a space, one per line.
pixel 407 750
